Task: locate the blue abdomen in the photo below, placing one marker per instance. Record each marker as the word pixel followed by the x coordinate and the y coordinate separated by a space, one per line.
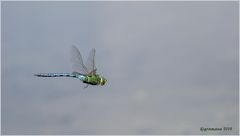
pixel 54 75
pixel 82 78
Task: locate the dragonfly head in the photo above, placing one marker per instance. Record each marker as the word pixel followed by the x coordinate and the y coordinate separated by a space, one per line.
pixel 103 81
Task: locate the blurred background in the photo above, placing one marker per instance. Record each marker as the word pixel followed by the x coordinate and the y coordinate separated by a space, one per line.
pixel 172 67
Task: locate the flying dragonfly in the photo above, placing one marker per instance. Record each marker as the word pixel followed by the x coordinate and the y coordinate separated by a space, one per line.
pixel 87 72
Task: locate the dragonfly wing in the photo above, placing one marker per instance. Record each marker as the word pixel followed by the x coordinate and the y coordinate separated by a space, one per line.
pixel 77 61
pixel 90 64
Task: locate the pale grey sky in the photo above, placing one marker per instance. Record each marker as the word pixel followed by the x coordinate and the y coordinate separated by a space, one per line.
pixel 172 67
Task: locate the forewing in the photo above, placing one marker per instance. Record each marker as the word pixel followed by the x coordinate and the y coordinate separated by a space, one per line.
pixel 90 64
pixel 77 61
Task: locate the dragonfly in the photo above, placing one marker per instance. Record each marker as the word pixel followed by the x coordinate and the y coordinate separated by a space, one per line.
pixel 87 73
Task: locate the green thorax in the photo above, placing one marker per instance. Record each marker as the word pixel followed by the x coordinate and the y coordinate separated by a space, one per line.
pixel 93 79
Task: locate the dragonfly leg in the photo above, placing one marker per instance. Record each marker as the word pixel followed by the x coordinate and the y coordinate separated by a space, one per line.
pixel 86 86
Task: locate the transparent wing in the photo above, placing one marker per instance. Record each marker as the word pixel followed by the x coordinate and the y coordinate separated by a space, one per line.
pixel 77 61
pixel 90 64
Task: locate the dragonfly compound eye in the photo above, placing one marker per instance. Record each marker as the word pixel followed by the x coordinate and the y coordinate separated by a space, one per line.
pixel 103 81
